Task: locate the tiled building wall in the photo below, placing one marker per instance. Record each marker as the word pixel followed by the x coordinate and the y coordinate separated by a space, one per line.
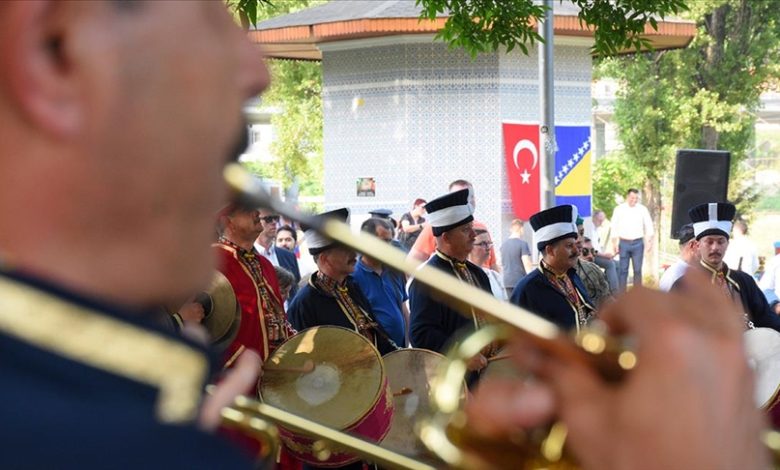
pixel 418 115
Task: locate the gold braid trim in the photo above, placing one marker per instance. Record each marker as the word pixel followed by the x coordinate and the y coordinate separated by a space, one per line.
pixel 100 341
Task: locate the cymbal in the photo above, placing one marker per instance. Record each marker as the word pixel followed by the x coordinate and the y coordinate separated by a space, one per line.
pixel 223 314
pixel 346 382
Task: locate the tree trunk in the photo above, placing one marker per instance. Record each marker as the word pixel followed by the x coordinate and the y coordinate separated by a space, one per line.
pixel 651 195
pixel 709 138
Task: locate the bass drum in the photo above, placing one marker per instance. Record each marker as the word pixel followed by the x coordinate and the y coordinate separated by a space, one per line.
pixel 762 346
pixel 333 376
pixel 410 373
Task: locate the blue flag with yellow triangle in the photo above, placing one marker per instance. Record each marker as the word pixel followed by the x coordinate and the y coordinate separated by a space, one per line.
pixel 572 179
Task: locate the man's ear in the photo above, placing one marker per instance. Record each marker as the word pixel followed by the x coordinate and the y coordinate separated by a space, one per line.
pixel 38 76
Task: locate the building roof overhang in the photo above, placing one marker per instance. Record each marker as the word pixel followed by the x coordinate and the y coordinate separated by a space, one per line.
pixel 300 35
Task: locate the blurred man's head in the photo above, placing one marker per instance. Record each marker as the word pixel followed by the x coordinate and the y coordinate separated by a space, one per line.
pixel 689 247
pixel 598 218
pixel 268 221
pixel 286 237
pixel 124 128
pixel 632 197
pixel 480 250
pixel 457 185
pixel 516 228
pixel 240 225
pixel 587 252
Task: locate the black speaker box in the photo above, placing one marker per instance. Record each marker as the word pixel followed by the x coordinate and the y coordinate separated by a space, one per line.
pixel 700 176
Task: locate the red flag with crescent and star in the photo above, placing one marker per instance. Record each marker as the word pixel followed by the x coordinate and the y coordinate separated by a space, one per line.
pixel 521 149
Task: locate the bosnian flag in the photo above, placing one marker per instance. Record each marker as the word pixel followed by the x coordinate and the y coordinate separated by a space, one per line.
pixel 572 179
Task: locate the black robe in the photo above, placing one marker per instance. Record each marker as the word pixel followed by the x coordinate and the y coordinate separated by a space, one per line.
pixel 434 323
pixel 753 300
pixel 313 307
pixel 536 293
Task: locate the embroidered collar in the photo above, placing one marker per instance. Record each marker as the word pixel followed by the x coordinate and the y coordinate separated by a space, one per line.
pixel 724 272
pixel 545 269
pixel 242 252
pixel 453 261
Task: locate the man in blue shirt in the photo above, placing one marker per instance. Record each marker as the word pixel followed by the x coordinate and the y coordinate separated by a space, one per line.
pixel 384 287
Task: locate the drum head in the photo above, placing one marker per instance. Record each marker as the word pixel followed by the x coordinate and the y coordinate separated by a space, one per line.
pixel 762 346
pixel 347 381
pixel 410 373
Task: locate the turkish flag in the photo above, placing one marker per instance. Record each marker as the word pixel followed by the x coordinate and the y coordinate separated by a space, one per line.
pixel 521 149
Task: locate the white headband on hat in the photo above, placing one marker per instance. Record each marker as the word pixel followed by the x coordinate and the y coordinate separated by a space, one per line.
pixel 449 216
pixel 712 223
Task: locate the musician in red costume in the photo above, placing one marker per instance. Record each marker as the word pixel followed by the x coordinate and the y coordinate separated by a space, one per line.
pixel 264 324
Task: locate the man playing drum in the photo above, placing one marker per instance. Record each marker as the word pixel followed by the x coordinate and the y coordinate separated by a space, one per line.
pixel 332 297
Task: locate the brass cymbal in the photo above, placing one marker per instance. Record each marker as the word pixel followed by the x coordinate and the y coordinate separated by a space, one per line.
pixel 347 379
pixel 223 314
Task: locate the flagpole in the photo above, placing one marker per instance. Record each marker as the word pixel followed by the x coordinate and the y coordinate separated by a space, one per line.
pixel 547 105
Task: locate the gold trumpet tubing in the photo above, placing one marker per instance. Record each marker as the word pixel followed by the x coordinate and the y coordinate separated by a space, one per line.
pixel 450 290
pixel 365 449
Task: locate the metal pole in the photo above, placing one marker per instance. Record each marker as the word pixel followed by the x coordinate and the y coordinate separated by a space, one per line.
pixel 547 105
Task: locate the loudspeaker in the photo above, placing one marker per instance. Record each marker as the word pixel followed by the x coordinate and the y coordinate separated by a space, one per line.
pixel 700 176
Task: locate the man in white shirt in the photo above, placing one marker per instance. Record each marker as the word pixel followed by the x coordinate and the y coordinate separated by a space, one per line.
pixel 770 281
pixel 632 230
pixel 742 254
pixel 689 255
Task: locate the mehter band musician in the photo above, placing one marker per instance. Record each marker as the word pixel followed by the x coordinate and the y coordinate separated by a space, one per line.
pixel 554 290
pixel 433 323
pixel 712 226
pixel 332 297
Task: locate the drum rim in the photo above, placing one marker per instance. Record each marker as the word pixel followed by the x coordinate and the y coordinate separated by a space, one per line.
pixel 383 373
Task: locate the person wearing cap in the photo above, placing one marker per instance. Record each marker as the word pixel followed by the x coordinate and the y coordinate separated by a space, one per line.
pixel 385 214
pixel 434 323
pixel 425 245
pixel 689 255
pixel 554 290
pixel 712 226
pixel 266 246
pixel 331 296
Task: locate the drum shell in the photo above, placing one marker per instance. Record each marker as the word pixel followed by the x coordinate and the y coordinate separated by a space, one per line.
pixel 373 427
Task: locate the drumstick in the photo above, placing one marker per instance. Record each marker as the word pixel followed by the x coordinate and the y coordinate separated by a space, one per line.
pixel 499 357
pixel 307 367
pixel 403 391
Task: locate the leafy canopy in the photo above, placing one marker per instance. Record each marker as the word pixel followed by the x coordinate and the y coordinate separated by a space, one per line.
pixel 485 25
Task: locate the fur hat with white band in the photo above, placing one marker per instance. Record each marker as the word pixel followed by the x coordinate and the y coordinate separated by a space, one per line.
pixel 449 211
pixel 318 243
pixel 554 224
pixel 712 218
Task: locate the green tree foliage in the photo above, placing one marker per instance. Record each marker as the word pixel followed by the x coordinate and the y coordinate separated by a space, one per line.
pixel 613 174
pixel 296 89
pixel 704 96
pixel 484 25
